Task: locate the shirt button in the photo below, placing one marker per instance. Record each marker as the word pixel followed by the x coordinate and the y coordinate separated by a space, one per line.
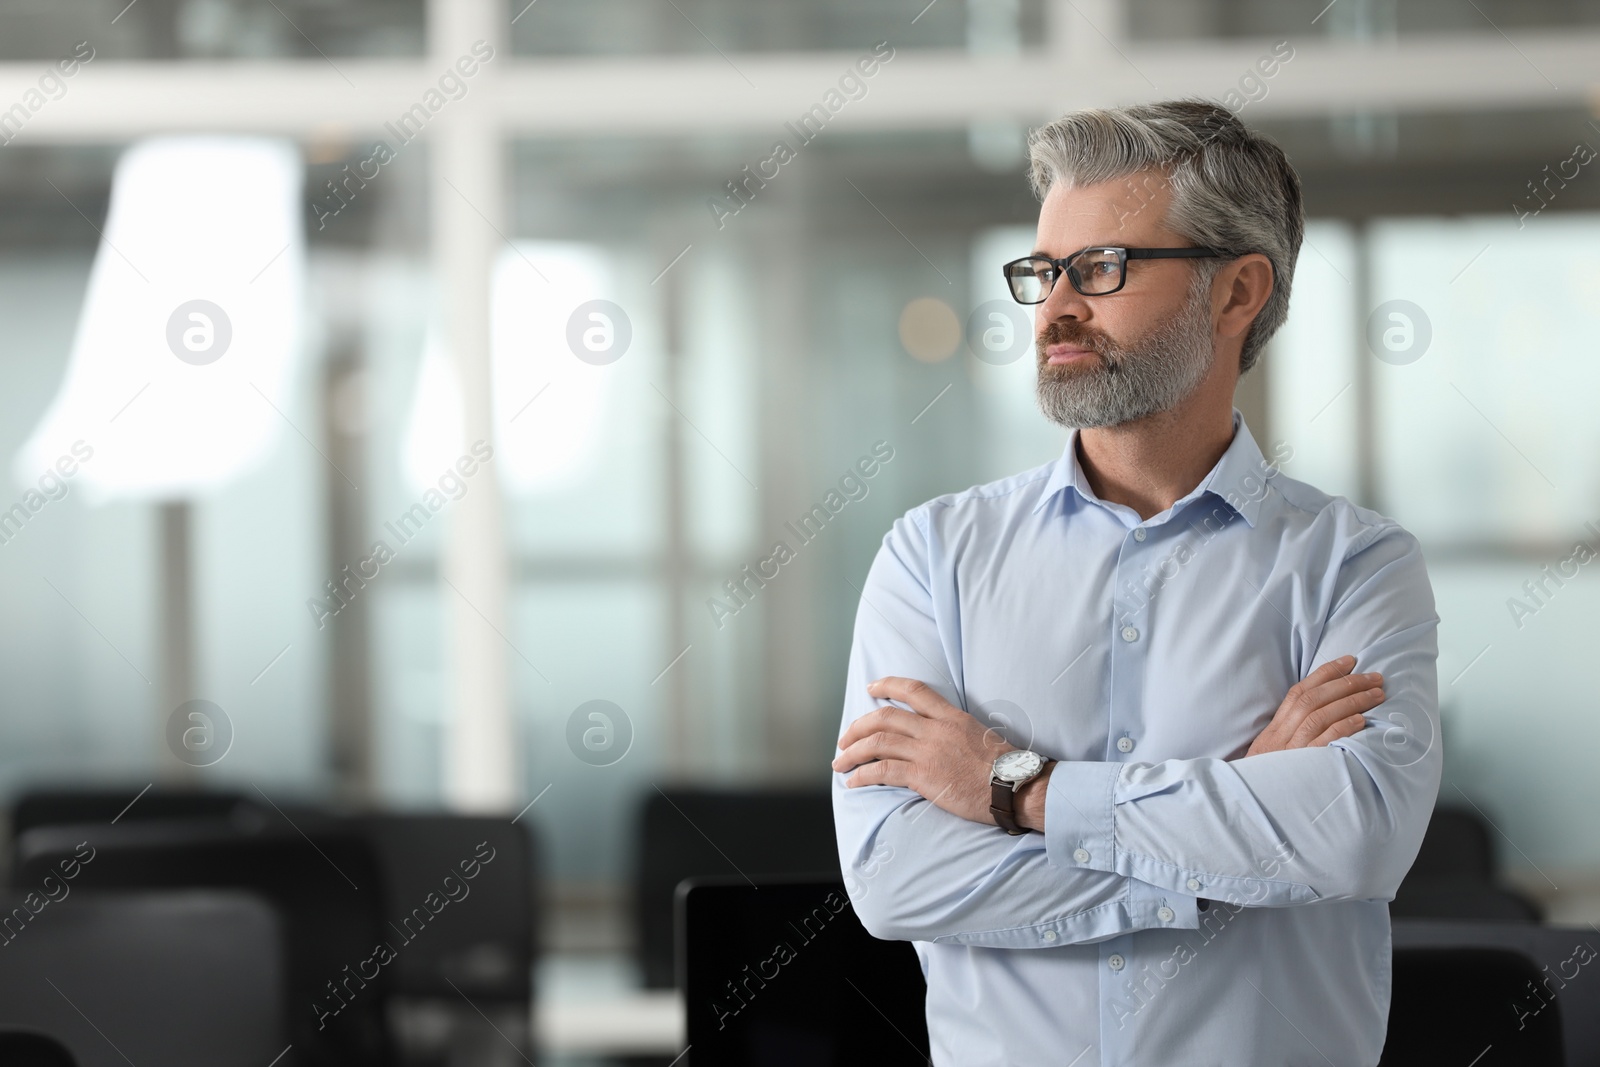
pixel 1080 856
pixel 1124 744
pixel 1193 884
pixel 1049 935
pixel 1139 534
pixel 1130 634
pixel 1165 914
pixel 1115 962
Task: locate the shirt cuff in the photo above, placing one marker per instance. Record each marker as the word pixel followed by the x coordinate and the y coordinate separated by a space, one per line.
pixel 1158 907
pixel 1141 907
pixel 1079 824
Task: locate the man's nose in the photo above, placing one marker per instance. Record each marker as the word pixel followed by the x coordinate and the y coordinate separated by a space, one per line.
pixel 1064 302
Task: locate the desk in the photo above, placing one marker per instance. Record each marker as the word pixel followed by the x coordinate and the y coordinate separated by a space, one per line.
pixel 642 1023
pixel 593 1006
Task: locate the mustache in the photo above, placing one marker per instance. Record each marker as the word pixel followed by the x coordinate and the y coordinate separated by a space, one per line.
pixel 1077 335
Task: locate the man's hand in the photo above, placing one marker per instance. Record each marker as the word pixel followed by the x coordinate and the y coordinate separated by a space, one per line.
pixel 1327 705
pixel 937 749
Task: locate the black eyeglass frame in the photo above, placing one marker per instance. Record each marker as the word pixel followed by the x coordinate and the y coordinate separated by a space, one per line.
pixel 1064 267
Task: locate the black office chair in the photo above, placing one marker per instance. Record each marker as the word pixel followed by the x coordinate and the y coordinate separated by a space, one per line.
pixel 1470 1005
pixel 846 997
pixel 1565 956
pixel 447 993
pixel 189 979
pixel 695 833
pixel 1422 899
pixel 1453 877
pixel 323 880
pixel 26 1048
pixel 477 954
pixel 56 806
pixel 1457 844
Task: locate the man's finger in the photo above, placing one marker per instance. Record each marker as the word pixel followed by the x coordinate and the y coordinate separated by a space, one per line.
pixel 1343 728
pixel 875 746
pixel 1325 716
pixel 1312 725
pixel 1310 701
pixel 919 696
pixel 883 772
pixel 1298 702
pixel 1329 691
pixel 887 719
pixel 1330 670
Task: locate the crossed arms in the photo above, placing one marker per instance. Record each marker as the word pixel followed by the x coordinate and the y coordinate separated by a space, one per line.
pixel 1329 803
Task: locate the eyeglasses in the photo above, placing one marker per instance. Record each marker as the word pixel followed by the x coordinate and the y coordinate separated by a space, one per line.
pixel 1092 271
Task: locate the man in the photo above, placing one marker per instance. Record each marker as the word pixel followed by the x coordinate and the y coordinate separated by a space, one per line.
pixel 1069 770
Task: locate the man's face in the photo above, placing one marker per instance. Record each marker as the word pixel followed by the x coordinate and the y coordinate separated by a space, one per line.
pixel 1110 359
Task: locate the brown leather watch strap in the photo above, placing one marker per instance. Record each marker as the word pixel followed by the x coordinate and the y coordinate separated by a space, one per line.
pixel 1002 801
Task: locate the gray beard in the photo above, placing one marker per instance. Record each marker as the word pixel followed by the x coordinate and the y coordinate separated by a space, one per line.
pixel 1155 373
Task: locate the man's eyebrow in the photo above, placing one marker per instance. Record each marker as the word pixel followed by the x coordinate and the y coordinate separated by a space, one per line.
pixel 1047 255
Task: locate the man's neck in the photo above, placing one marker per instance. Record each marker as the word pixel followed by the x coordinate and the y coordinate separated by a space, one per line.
pixel 1151 464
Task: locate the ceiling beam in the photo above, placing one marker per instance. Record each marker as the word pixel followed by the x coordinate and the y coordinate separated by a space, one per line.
pixel 757 93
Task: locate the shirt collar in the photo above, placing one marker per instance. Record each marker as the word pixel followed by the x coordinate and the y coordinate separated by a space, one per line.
pixel 1239 478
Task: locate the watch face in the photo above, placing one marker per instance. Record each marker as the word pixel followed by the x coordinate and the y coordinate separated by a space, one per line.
pixel 1018 766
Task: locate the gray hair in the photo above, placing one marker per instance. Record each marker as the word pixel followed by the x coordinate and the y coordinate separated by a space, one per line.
pixel 1232 188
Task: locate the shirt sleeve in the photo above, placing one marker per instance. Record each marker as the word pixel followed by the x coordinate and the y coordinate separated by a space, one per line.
pixel 1341 822
pixel 914 871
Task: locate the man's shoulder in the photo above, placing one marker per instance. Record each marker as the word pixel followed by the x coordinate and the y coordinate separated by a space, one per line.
pixel 966 516
pixel 1003 496
pixel 1308 508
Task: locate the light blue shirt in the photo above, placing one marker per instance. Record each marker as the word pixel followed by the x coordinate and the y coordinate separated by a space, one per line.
pixel 1186 905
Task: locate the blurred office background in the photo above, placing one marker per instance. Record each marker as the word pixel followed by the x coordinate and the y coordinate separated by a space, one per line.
pixel 770 342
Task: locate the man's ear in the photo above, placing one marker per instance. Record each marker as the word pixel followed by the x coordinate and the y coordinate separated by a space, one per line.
pixel 1244 286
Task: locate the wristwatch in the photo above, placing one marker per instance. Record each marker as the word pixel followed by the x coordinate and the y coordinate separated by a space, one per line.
pixel 1010 773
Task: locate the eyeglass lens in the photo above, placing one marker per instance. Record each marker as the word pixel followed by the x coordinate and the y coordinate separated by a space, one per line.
pixel 1094 270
